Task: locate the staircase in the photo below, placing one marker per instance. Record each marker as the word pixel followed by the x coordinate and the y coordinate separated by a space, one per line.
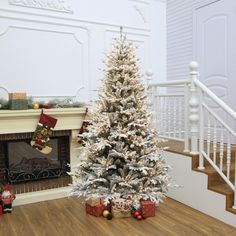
pixel 199 125
pixel 215 182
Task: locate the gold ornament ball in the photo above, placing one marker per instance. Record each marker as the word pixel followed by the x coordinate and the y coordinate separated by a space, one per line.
pixel 36 106
pixel 105 213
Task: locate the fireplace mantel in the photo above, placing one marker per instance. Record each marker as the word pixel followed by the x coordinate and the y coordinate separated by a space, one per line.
pixel 19 121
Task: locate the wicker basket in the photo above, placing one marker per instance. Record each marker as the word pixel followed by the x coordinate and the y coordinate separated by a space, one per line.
pixel 18 104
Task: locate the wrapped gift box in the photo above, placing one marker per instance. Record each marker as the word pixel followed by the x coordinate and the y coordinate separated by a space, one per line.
pixel 120 214
pixel 0 210
pixel 18 101
pixel 94 202
pixel 17 96
pixel 95 210
pixel 18 104
pixel 121 204
pixel 148 208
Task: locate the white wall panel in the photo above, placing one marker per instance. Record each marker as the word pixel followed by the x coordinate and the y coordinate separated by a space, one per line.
pixel 54 47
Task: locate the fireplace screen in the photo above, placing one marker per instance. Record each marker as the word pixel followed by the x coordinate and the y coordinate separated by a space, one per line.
pixel 27 164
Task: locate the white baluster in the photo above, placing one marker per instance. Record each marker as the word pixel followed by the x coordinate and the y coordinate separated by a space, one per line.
pixel 161 114
pixel 149 91
pixel 193 109
pixel 180 118
pixel 158 110
pixel 186 118
pixel 154 101
pixel 201 131
pixel 228 156
pixel 164 116
pixel 214 142
pixel 221 148
pixel 163 121
pixel 174 117
pixel 234 206
pixel 169 117
pixel 149 75
pixel 208 135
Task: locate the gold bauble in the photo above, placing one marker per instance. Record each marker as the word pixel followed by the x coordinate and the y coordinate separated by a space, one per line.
pixel 36 106
pixel 105 213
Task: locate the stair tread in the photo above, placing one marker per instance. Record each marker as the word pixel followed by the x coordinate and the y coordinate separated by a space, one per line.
pixel 222 188
pixel 232 210
pixel 210 169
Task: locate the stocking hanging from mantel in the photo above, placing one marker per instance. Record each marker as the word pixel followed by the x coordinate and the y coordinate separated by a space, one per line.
pixel 84 126
pixel 41 137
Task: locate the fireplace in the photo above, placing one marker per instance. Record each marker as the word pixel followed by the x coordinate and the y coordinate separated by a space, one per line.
pixel 28 169
pixel 16 130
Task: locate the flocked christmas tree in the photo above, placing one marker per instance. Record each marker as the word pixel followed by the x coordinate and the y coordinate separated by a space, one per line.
pixel 121 158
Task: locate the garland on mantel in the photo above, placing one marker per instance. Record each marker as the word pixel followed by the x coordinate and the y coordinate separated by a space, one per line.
pixel 54 103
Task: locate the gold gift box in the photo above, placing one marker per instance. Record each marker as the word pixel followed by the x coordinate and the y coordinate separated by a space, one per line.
pixel 94 202
pixel 120 214
pixel 17 96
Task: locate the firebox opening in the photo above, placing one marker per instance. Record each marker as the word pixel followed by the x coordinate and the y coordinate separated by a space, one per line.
pixel 25 164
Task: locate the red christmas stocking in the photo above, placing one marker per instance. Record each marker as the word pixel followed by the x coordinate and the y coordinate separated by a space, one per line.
pixel 41 137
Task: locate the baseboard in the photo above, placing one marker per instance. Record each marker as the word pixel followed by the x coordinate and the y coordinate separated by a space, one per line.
pixel 39 196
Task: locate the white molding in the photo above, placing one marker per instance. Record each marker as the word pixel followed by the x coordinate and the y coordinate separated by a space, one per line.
pixel 51 5
pixel 205 3
pixel 46 30
pixel 39 196
pixel 141 13
pixel 163 1
pixel 20 121
pixel 76 20
pixel 146 2
pixel 84 46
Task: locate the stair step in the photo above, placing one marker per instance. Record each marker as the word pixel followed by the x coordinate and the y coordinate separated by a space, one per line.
pixel 222 188
pixel 215 181
pixel 229 194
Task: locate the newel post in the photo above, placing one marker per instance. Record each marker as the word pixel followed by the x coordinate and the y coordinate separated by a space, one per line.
pixel 149 75
pixel 193 108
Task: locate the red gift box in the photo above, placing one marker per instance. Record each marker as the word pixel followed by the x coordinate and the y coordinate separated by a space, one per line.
pixel 0 210
pixel 95 210
pixel 148 208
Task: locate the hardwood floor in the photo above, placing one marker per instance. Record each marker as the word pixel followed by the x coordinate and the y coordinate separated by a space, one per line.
pixel 67 217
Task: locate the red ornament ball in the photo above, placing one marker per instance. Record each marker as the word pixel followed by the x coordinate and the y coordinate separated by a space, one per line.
pixel 139 217
pixel 136 214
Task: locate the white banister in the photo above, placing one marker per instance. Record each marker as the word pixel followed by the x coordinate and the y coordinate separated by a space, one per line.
pixel 171 83
pixel 193 109
pixel 186 114
pixel 210 94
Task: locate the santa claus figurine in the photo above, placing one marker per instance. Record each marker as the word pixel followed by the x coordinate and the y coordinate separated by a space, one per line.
pixel 7 198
